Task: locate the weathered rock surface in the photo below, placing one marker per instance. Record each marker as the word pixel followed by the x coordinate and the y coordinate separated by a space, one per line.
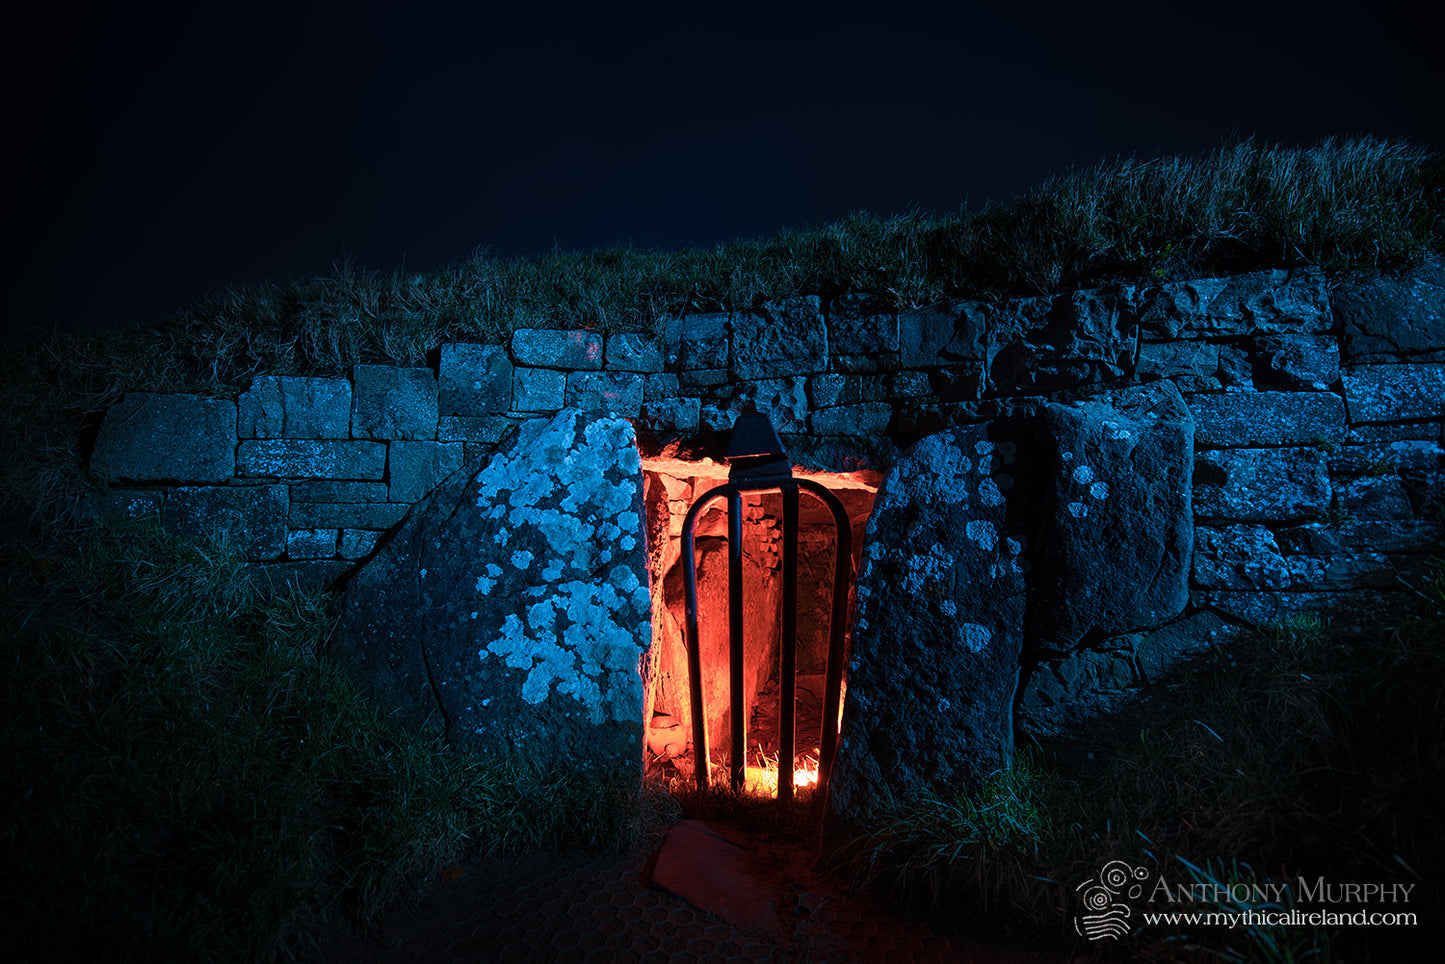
pixel 1259 302
pixel 1238 557
pixel 514 601
pixel 1261 485
pixel 393 403
pixel 546 348
pixel 1384 316
pixel 1297 362
pixel 474 380
pixel 1384 393
pixel 295 406
pixel 253 517
pixel 1115 532
pixel 1239 419
pixel 939 627
pixel 1061 341
pixel 186 438
pixel 783 338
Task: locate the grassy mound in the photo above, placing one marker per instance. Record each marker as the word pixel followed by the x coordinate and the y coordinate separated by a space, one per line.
pixel 189 771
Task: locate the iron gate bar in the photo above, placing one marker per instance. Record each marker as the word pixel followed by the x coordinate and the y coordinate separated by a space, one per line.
pixel 760 464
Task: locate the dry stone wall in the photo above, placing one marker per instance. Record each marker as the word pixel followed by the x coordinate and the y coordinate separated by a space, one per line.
pixel 1317 407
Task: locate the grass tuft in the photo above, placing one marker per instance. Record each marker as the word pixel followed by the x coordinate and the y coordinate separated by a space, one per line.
pixel 1308 751
pixel 194 780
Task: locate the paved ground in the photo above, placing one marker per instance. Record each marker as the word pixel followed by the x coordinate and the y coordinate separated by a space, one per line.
pixel 601 910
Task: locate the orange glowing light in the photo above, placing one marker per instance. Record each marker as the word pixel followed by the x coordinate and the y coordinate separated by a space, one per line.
pixel 764 779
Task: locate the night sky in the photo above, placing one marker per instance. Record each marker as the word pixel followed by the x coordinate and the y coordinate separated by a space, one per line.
pixel 160 152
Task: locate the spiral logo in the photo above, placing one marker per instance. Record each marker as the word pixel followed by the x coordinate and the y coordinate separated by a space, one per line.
pixel 1104 913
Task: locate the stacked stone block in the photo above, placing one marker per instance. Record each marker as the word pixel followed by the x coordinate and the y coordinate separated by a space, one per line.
pixel 1318 416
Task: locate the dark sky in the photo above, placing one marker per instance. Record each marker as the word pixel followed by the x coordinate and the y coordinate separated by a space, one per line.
pixel 158 152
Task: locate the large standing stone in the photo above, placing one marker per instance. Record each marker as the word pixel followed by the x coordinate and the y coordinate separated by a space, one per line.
pixel 187 438
pixel 514 600
pixel 1115 532
pixel 939 629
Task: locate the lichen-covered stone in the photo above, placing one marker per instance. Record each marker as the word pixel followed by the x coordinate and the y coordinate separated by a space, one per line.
pixel 695 342
pixel 1395 393
pixel 474 380
pixel 868 418
pixel 1115 532
pixel 545 348
pixel 181 438
pixel 1297 362
pixel 631 352
pixel 1251 419
pixel 782 338
pixel 859 325
pixel 416 468
pixel 783 400
pixel 537 390
pixel 1261 485
pixel 311 458
pixel 1238 557
pixel 295 406
pixel 1257 303
pixel 251 518
pixel 311 543
pixel 616 393
pixel 1386 316
pixel 393 403
pixel 939 627
pixel 514 602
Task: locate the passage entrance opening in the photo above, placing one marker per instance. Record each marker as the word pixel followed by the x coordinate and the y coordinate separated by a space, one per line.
pixel 673 487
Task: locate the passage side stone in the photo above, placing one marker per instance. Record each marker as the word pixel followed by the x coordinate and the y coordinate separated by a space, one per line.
pixel 939 628
pixel 513 601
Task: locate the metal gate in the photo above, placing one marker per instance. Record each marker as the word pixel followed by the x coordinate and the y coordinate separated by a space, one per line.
pixel 757 462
